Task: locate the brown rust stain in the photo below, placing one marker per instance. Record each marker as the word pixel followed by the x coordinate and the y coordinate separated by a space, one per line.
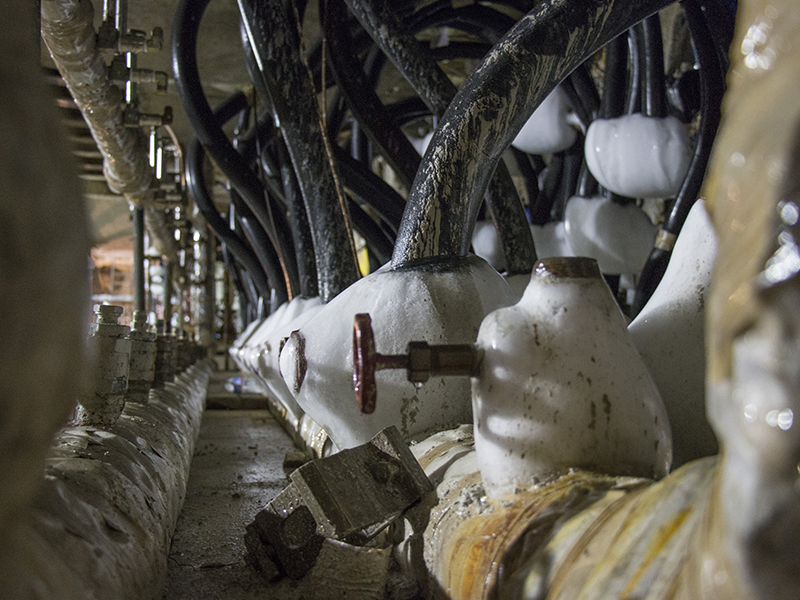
pixel 475 548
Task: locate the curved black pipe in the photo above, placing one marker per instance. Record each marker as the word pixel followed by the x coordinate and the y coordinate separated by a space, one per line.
pixel 380 244
pixel 476 19
pixel 246 294
pixel 612 104
pixel 369 188
pixel 585 86
pixel 634 99
pixel 277 45
pixel 195 155
pixel 403 49
pixel 436 90
pixel 491 108
pixel 712 88
pixel 301 230
pixel 654 97
pixel 367 108
pixel 283 278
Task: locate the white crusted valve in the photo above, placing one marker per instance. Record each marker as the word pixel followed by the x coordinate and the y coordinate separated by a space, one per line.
pixel 265 347
pixel 143 359
pixel 638 156
pixel 556 383
pixel 669 333
pixel 442 302
pixel 561 385
pixel 618 236
pixel 103 403
pixel 548 129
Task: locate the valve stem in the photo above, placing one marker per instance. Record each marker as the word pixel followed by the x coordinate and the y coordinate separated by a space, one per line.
pixel 421 361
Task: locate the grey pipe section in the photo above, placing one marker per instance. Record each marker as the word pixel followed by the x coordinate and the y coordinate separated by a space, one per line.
pixel 102 522
pixel 490 109
pixel 68 31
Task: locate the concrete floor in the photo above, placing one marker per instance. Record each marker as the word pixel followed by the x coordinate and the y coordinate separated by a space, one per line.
pixel 236 470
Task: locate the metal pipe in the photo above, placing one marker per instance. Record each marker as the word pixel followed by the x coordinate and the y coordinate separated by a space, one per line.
pixel 169 270
pixel 367 108
pixel 489 111
pixel 138 259
pixel 68 31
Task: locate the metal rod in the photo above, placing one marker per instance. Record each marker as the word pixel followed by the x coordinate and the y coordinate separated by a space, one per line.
pixel 138 259
pixel 169 269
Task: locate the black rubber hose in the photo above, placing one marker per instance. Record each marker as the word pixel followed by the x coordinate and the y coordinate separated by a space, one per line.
pixel 368 110
pixel 634 99
pixel 491 108
pixel 612 104
pixel 586 89
pixel 370 189
pixel 264 252
pixel 276 42
pixel 403 49
pixel 530 177
pixel 282 277
pixel 542 210
pixel 378 243
pixel 712 88
pixel 254 148
pixel 568 184
pixel 195 156
pixel 475 19
pixel 436 90
pixel 575 100
pixel 243 291
pixel 654 97
pixel 408 110
pixel 301 230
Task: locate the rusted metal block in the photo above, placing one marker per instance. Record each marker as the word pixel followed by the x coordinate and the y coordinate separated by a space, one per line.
pixel 354 494
pixel 350 497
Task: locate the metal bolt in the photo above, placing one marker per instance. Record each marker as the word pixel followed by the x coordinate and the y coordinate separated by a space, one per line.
pixel 420 361
pixel 139 321
pixel 107 314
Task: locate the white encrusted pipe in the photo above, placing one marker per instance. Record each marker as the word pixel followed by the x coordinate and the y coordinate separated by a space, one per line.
pixel 618 236
pixel 441 302
pixel 549 128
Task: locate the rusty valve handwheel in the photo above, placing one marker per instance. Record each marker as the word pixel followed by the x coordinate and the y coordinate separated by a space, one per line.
pixel 366 361
pixel 420 361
